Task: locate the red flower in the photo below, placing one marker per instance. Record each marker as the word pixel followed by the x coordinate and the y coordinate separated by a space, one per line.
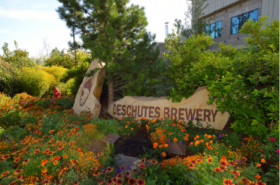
pixel 223 168
pixel 119 182
pixel 224 163
pixel 131 181
pixel 140 182
pixel 76 128
pixel 6 156
pixel 272 139
pixel 227 182
pixel 5 173
pixel 217 170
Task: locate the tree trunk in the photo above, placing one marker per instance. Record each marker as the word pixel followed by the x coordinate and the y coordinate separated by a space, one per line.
pixel 110 92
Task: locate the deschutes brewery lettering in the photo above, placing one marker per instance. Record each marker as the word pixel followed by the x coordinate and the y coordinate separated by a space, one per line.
pixel 154 112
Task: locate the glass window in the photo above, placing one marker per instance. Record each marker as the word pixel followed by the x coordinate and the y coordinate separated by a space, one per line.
pixel 238 21
pixel 215 29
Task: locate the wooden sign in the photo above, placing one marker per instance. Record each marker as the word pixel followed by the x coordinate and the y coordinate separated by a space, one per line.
pixel 150 107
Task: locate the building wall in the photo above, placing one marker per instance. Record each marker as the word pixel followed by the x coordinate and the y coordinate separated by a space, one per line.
pixel 224 10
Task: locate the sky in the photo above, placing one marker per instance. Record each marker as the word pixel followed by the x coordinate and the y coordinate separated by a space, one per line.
pixel 37 28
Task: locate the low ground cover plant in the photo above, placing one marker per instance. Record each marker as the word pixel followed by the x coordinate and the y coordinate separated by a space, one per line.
pixel 49 146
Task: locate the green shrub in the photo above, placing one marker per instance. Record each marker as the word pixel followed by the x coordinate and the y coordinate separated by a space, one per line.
pixel 76 74
pixel 233 140
pixel 36 82
pixel 243 82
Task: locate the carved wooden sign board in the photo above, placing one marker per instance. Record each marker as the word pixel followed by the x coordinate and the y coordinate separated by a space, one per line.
pixel 150 107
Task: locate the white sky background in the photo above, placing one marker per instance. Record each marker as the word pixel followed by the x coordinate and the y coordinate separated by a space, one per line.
pixel 30 22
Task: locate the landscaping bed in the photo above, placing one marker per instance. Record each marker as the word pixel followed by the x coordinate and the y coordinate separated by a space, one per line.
pixel 44 142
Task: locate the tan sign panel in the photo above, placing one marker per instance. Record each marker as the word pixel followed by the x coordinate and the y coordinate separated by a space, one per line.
pixel 150 107
pixel 89 93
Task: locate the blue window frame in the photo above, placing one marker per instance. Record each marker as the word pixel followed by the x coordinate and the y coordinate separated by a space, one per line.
pixel 215 29
pixel 238 21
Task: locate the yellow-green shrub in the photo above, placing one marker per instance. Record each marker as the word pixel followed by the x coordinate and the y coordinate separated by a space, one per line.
pixel 56 71
pixel 36 82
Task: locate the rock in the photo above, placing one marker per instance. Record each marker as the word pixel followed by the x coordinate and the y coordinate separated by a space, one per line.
pixel 88 95
pixel 150 107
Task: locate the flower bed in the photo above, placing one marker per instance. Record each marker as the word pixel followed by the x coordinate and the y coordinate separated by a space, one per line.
pixel 42 141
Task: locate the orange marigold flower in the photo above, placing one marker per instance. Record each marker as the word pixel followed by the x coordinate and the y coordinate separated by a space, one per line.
pixel 258 177
pixel 262 160
pixel 55 162
pixel 79 149
pixel 166 145
pixel 258 165
pixel 163 154
pixel 44 170
pixel 175 140
pixel 155 145
pixel 65 156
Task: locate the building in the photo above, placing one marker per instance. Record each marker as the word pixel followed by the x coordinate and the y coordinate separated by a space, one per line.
pixel 232 14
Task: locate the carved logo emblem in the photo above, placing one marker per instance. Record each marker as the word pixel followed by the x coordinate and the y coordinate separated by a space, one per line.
pixel 86 91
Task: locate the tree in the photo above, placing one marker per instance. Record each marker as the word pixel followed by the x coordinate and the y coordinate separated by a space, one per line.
pixel 115 35
pixel 194 24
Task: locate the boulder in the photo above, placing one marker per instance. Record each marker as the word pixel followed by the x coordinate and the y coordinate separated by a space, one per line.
pixel 150 107
pixel 88 95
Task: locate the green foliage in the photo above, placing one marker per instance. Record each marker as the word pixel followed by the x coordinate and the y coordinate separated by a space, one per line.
pixel 36 82
pixel 245 82
pixel 124 45
pixel 9 81
pixel 106 126
pixel 76 74
pixel 11 118
pixel 56 71
pixel 272 176
pixel 67 60
pixel 15 132
pixel 233 140
pixel 65 102
pixel 270 146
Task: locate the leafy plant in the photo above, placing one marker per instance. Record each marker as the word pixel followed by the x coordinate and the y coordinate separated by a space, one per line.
pixel 233 140
pixel 270 148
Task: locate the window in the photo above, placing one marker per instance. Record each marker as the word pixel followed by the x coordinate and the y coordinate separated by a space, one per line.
pixel 214 29
pixel 238 21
